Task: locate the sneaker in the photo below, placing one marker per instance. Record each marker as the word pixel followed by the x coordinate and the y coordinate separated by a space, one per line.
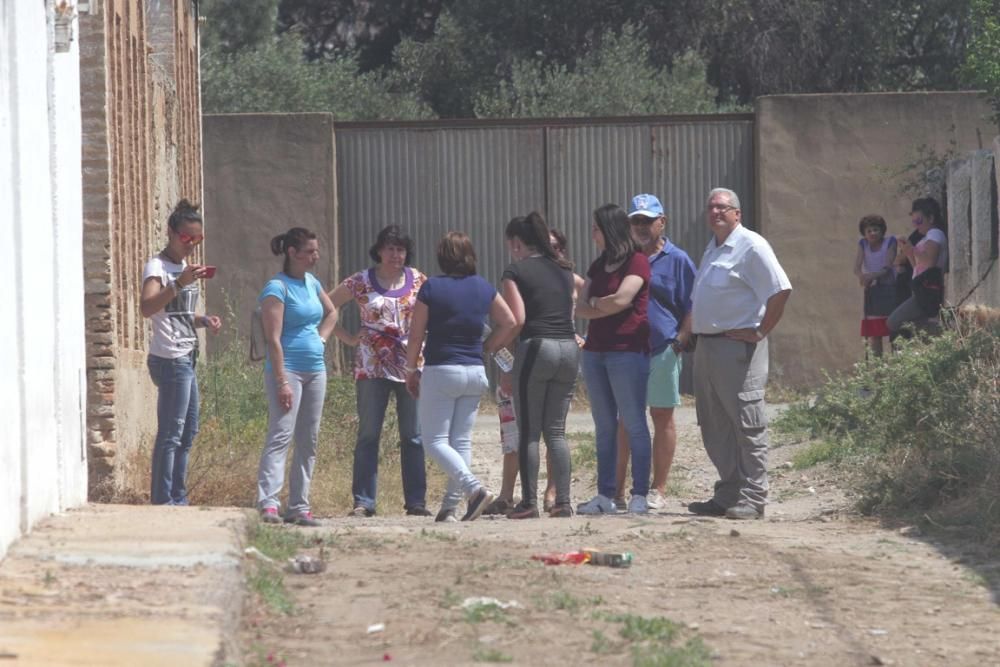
pixel 499 507
pixel 620 503
pixel 524 512
pixel 560 512
pixel 361 511
pixel 638 505
pixel 270 515
pixel 302 519
pixel 420 510
pixel 655 500
pixel 597 505
pixel 476 504
pixel 446 516
pixel 707 508
pixel 744 511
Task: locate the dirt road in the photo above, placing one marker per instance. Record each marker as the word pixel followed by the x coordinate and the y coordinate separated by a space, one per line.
pixel 812 584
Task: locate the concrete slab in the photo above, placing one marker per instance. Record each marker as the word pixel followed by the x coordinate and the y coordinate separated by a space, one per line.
pixel 124 585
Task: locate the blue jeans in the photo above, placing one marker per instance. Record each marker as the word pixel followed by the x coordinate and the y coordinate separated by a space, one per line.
pixel 177 425
pixel 616 385
pixel 373 398
pixel 449 400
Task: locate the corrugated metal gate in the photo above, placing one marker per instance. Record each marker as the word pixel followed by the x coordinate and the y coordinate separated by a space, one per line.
pixel 434 176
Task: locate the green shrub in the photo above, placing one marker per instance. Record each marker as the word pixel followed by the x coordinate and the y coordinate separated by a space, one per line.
pixel 917 429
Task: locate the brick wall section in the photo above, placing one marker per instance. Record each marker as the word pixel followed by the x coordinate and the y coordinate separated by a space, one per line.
pixel 141 153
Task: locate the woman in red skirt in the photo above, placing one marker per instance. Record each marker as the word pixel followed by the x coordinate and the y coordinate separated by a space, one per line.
pixel 873 268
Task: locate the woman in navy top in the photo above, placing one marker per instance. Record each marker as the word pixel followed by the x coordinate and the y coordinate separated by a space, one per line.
pixel 451 313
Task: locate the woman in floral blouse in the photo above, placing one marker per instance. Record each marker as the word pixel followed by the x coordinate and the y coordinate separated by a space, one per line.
pixel 385 294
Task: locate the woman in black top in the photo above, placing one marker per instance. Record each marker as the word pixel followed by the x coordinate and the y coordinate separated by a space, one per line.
pixel 538 287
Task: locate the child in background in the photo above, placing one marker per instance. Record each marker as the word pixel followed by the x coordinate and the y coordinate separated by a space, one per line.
pixel 873 266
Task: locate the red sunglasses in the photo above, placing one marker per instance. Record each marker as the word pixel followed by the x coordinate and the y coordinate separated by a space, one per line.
pixel 193 239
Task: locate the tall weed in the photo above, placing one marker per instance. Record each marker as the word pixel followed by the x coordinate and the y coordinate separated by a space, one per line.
pixel 917 429
pixel 223 464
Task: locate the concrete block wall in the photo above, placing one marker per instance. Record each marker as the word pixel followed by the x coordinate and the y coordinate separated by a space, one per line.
pixel 974 228
pixel 821 165
pixel 267 173
pixel 141 154
pixel 42 455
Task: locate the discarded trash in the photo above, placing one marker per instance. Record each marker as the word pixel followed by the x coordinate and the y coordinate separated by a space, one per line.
pixel 878 632
pixel 305 565
pixel 590 556
pixel 812 490
pixel 622 559
pixel 376 627
pixel 386 657
pixel 910 531
pixel 469 603
pixel 256 553
pixel 568 558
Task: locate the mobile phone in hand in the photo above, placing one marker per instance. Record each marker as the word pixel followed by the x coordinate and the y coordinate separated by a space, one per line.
pixel 208 272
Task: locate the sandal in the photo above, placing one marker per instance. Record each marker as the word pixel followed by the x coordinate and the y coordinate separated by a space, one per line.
pixel 499 507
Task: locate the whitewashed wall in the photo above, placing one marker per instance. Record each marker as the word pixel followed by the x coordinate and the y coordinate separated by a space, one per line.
pixel 43 466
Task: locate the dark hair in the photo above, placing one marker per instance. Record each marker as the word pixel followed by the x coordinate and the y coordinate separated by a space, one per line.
pixel 534 233
pixel 619 245
pixel 560 240
pixel 455 255
pixel 294 238
pixel 872 221
pixel 391 235
pixel 185 211
pixel 928 207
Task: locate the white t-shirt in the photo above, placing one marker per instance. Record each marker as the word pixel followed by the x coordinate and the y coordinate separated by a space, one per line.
pixel 936 235
pixel 172 327
pixel 734 282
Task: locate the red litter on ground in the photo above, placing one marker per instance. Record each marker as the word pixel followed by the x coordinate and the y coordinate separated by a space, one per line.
pixel 590 556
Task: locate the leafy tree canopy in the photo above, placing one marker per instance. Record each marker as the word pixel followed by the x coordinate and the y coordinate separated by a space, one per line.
pixel 456 58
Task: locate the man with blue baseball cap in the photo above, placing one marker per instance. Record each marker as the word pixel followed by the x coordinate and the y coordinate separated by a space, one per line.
pixel 671 281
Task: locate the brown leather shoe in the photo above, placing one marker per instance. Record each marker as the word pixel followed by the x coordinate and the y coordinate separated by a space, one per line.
pixel 524 512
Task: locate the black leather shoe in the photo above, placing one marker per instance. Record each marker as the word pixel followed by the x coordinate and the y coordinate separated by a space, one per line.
pixel 744 511
pixel 707 508
pixel 418 511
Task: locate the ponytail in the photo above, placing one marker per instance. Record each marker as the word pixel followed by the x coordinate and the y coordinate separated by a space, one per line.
pixel 534 233
pixel 293 239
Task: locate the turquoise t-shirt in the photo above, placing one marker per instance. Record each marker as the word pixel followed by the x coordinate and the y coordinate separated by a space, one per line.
pixel 300 330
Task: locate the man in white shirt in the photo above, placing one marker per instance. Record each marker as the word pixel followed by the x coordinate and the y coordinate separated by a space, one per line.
pixel 739 296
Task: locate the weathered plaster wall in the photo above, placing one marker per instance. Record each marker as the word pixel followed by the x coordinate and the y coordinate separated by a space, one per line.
pixel 265 174
pixel 822 162
pixel 42 460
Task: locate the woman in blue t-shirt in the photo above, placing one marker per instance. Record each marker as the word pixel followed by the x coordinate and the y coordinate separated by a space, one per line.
pixel 298 317
pixel 451 312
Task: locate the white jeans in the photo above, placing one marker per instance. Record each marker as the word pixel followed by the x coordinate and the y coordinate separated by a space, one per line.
pixel 449 400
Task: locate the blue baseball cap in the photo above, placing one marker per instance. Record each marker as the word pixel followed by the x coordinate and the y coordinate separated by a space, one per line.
pixel 647 205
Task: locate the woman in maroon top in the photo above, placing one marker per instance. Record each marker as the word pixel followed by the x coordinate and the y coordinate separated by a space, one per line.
pixel 616 355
